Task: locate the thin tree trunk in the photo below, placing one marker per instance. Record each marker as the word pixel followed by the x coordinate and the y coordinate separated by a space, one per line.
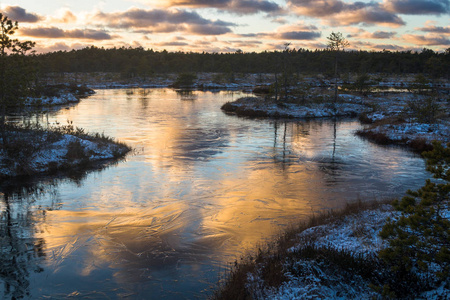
pixel 335 82
pixel 2 98
pixel 276 87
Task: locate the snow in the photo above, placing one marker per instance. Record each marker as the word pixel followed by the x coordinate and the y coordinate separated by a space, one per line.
pixel 252 105
pixel 357 233
pixel 390 113
pixel 51 156
pixel 64 98
pixel 413 131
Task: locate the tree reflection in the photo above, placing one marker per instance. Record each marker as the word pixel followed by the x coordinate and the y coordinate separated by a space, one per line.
pixel 20 251
pixel 332 166
pixel 188 95
pixel 283 154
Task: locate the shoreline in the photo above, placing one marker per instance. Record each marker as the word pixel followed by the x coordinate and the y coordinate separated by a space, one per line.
pixel 386 120
pixel 332 255
pixel 35 151
pixel 32 152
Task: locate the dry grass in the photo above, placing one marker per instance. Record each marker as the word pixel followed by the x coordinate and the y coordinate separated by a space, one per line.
pixel 270 259
pixel 418 145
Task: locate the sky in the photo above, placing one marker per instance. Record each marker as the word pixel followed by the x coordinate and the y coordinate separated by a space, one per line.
pixel 231 25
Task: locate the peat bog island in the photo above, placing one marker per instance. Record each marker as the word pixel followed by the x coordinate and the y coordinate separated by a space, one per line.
pixel 207 172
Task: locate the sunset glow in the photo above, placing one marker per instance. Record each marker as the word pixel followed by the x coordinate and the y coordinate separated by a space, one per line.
pixel 231 25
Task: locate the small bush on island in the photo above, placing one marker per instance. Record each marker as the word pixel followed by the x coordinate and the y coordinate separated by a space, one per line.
pixel 185 80
pixel 363 84
pixel 425 110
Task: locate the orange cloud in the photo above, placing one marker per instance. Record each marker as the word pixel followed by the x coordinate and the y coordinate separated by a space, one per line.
pixel 427 40
pixel 67 17
pixel 240 7
pixel 337 12
pixel 158 20
pixel 57 33
pixel 362 34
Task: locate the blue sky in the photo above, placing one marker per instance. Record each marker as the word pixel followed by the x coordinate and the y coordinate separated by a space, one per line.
pixel 231 25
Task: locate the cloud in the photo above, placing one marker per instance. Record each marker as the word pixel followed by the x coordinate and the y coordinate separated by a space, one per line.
pixel 253 7
pixel 435 29
pixel 16 13
pixel 369 46
pixel 298 35
pixel 383 35
pixel 209 29
pixel 172 44
pixel 57 33
pixel 418 7
pixel 45 47
pixel 66 17
pixel 318 8
pixel 160 21
pixel 373 15
pixel 241 7
pixel 337 12
pixel 427 40
pixel 362 34
pixel 299 31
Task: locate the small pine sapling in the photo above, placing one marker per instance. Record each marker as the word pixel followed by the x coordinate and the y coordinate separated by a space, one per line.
pixel 419 240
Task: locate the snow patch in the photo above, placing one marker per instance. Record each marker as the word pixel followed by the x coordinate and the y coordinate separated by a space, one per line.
pixel 65 98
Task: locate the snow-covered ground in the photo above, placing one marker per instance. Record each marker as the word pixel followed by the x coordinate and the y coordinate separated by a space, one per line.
pixel 310 279
pixel 47 152
pixel 390 114
pixel 258 107
pixel 407 133
pixel 35 151
pixel 204 81
pixel 64 98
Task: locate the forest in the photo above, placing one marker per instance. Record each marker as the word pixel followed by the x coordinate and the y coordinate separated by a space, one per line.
pixel 132 62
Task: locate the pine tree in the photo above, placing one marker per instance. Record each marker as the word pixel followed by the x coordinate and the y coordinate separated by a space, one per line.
pixel 15 70
pixel 419 240
pixel 336 43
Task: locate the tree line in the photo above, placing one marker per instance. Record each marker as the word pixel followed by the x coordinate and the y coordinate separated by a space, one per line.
pixel 131 62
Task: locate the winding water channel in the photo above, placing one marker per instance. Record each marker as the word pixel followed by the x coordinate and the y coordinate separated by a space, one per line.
pixel 200 189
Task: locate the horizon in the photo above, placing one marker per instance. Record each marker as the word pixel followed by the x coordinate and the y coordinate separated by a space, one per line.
pixel 228 26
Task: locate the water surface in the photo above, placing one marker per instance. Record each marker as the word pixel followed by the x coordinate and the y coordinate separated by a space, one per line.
pixel 200 189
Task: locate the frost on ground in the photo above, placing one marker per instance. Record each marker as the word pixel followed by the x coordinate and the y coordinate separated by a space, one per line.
pixel 258 107
pixel 306 278
pixel 408 133
pixel 395 118
pixel 57 94
pixel 30 152
pixel 64 98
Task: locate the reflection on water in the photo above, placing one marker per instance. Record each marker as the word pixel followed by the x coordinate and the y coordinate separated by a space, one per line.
pixel 201 188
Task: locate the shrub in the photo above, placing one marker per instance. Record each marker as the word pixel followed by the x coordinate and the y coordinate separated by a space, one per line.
pixel 76 151
pixel 419 240
pixel 363 84
pixel 185 80
pixel 426 110
pixel 420 85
